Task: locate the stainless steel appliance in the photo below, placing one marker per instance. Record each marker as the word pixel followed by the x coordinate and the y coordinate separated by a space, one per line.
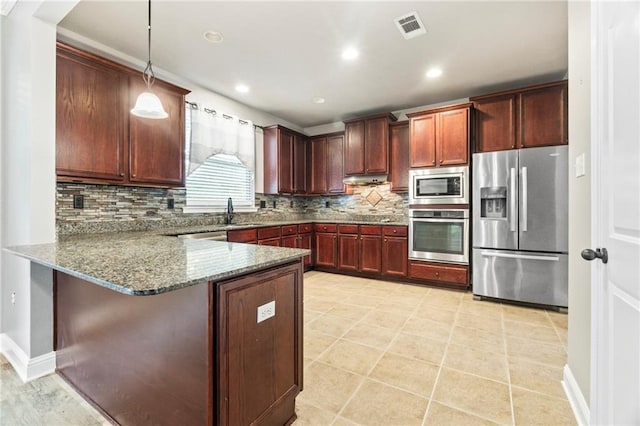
pixel 520 238
pixel 439 235
pixel 439 185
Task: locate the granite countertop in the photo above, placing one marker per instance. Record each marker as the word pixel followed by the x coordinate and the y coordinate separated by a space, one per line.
pixel 142 263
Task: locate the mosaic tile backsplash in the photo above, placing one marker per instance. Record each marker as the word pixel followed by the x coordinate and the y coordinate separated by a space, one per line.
pixel 110 208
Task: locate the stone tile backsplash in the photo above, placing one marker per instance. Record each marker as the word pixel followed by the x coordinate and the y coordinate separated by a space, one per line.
pixel 110 208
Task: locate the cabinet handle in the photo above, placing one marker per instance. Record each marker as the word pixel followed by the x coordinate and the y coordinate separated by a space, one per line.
pixel 121 174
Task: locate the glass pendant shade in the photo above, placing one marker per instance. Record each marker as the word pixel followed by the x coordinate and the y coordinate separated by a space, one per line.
pixel 148 105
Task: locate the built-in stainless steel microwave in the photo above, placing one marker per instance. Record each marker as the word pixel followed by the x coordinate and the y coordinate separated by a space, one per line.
pixel 439 185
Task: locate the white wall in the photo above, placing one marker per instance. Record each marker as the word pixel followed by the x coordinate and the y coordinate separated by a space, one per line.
pixel 579 360
pixel 28 168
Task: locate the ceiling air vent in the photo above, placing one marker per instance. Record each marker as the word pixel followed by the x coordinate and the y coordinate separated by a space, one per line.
pixel 410 25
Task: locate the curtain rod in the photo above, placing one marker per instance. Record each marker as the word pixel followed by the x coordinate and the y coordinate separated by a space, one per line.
pixel 194 105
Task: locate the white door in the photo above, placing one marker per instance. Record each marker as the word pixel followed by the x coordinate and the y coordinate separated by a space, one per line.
pixel 616 213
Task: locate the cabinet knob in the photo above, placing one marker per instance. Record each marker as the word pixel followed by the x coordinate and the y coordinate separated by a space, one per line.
pixel 121 174
pixel 395 230
pixel 438 274
pixel 133 175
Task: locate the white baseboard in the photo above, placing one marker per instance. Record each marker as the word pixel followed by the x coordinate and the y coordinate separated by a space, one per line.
pixel 27 368
pixel 576 398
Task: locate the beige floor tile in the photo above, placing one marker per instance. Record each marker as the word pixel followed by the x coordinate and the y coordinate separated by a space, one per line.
pixel 309 316
pixel 482 322
pixel 475 395
pixel 319 304
pixel 351 356
pixel 481 307
pixel 378 404
pixel 314 343
pixel 470 360
pixel 525 314
pixel 406 373
pixel 341 421
pixel 531 331
pixel 330 324
pixel 531 408
pixel 412 289
pixel 407 300
pixel 559 320
pixel 433 313
pixel 370 335
pixel 328 387
pixel 420 348
pixel 535 351
pixel 427 328
pixel 479 339
pixel 364 300
pixel 444 299
pixel 537 377
pixel 393 307
pixel 386 319
pixel 441 415
pixel 349 311
pixel 308 415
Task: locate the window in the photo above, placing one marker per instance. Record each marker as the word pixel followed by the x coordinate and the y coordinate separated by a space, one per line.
pixel 215 171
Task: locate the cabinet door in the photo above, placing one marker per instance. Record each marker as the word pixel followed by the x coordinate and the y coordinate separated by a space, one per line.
pixel 156 147
pixel 348 252
pixel 399 167
pixel 299 165
pixel 422 141
pixel 274 242
pixel 354 148
pixel 290 241
pixel 370 251
pixel 453 137
pixel 335 164
pixel 495 119
pixel 285 155
pixel 394 256
pixel 90 113
pixel 249 236
pixel 319 165
pixel 305 242
pixel 326 250
pixel 376 148
pixel 543 116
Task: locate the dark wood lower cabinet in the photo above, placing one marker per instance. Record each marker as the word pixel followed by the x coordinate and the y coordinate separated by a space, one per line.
pixel 326 247
pixel 448 275
pixel 394 257
pixel 194 356
pixel 348 252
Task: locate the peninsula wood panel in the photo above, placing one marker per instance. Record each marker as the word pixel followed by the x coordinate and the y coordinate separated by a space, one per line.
pixel 140 359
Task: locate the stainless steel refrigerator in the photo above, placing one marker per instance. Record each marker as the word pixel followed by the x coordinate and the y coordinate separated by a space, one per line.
pixel 520 237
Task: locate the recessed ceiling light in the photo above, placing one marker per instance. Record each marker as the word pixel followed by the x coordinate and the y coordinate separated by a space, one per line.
pixel 318 100
pixel 242 88
pixel 213 36
pixel 350 54
pixel 434 72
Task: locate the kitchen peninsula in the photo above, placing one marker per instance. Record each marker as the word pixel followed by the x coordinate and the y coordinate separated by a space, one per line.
pixel 159 330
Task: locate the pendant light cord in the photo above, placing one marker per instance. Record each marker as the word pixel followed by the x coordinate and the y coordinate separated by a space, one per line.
pixel 148 76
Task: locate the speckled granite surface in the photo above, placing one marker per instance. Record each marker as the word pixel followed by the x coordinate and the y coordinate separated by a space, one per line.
pixel 147 264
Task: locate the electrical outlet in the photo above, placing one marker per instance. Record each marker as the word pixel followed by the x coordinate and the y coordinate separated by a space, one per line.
pixel 274 204
pixel 78 201
pixel 291 203
pixel 13 297
pixel 170 203
pixel 263 204
pixel 326 204
pixel 266 311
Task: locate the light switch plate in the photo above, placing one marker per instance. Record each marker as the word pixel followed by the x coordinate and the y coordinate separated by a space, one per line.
pixel 580 166
pixel 266 311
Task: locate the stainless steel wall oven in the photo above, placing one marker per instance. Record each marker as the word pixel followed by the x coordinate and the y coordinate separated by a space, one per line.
pixel 439 235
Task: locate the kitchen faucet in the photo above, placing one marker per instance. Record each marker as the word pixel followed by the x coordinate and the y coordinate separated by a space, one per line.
pixel 229 214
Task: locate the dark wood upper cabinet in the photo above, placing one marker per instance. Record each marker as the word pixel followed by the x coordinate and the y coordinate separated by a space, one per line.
pixel 98 140
pixel 440 137
pixel 318 166
pixel 366 148
pixel 335 164
pixel 399 158
pixel 90 115
pixel 284 161
pixel 522 118
pixel 157 146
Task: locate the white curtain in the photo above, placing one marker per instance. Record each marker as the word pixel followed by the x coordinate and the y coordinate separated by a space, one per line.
pixel 217 134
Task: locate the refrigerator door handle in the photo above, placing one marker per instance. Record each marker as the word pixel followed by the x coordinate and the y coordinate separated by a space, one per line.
pixel 520 256
pixel 525 201
pixel 512 200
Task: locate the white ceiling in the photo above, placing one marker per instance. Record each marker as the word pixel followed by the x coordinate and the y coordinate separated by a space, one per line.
pixel 290 52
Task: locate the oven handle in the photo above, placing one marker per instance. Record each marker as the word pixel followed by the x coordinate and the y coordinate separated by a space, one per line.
pixel 520 256
pixel 421 219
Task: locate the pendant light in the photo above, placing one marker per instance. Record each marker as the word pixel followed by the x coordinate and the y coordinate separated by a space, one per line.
pixel 148 105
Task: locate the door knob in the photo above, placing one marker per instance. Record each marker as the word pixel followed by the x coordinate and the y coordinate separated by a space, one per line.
pixel 600 253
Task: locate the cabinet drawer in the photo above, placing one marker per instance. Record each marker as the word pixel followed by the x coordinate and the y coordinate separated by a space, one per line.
pixel 242 236
pixel 304 228
pixel 326 227
pixel 289 229
pixel 432 272
pixel 395 231
pixel 270 232
pixel 348 229
pixel 370 230
pixel 270 242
